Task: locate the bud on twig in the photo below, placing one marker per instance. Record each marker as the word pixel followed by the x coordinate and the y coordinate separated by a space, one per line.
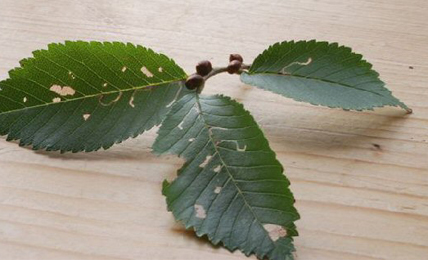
pixel 204 67
pixel 233 57
pixel 234 66
pixel 194 81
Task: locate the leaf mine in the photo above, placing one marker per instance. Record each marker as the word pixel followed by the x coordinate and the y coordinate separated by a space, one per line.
pixel 109 103
pixel 320 73
pixel 217 190
pixel 200 211
pixel 275 231
pixel 86 116
pixel 147 72
pixel 93 77
pixel 306 63
pixel 206 161
pixel 217 169
pixel 230 193
pixel 63 91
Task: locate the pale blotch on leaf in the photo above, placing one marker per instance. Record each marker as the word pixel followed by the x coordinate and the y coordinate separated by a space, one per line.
pixel 200 211
pixel 146 72
pixel 239 149
pixel 306 63
pixel 131 101
pixel 62 91
pixel 180 126
pixel 71 75
pixel 275 231
pixel 175 98
pixel 56 100
pixel 111 102
pixel 191 139
pixel 217 169
pixel 217 190
pixel 24 99
pixel 160 69
pixel 124 69
pixel 198 110
pixel 206 161
pixel 86 116
pixel 105 85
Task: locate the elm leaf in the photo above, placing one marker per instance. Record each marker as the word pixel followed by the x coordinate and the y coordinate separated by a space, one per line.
pixel 320 73
pixel 81 96
pixel 231 187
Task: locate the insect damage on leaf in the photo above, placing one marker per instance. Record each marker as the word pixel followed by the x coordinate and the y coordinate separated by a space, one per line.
pixel 63 91
pixel 320 73
pixel 306 63
pixel 234 194
pixel 107 101
pixel 275 231
pixel 206 161
pixel 231 188
pixel 147 72
pixel 200 211
pixel 86 116
pixel 217 169
pixel 68 82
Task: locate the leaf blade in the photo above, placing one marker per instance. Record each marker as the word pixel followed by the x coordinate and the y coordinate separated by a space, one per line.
pixel 229 171
pixel 321 74
pixel 104 92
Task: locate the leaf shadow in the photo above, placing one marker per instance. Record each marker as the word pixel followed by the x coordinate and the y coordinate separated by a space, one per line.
pixel 114 154
pixel 289 124
pixel 369 130
pixel 191 237
pixel 131 149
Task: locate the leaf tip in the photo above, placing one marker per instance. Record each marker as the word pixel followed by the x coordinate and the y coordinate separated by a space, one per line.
pixel 406 108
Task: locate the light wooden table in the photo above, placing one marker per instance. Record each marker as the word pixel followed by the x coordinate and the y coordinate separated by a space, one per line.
pixel 360 179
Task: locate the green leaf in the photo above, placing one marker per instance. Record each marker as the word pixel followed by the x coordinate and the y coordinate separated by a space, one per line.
pixel 321 74
pixel 231 187
pixel 87 95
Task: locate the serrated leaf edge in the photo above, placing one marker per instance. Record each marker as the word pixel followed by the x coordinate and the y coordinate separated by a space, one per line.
pixel 25 61
pixel 166 184
pixel 361 62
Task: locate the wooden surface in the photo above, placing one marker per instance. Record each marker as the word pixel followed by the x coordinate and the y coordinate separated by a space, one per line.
pixel 360 179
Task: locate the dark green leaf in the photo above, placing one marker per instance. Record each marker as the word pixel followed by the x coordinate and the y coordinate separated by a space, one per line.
pixel 321 74
pixel 231 188
pixel 83 96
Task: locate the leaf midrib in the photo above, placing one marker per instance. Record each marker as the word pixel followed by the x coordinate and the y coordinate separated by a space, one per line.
pixel 95 95
pixel 316 79
pixel 207 126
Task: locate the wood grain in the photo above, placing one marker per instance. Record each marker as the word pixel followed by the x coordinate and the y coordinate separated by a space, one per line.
pixel 360 179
